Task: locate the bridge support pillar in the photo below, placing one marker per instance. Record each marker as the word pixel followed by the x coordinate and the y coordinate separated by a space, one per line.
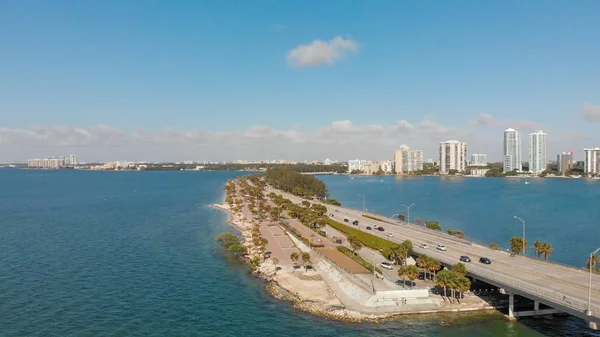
pixel 536 305
pixel 511 305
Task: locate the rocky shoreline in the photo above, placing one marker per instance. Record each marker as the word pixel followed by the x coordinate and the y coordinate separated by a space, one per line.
pixel 266 272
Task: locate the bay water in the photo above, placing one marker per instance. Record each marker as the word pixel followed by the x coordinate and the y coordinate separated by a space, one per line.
pixel 86 253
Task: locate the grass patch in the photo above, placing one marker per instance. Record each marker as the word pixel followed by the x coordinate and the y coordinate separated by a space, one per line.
pixel 360 260
pixel 369 240
pixel 374 218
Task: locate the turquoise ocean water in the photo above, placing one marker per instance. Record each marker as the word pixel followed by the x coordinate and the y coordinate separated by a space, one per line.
pixel 133 253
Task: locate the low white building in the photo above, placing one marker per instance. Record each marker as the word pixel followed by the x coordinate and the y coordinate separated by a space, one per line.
pixel 356 165
pixel 387 166
pixel 478 159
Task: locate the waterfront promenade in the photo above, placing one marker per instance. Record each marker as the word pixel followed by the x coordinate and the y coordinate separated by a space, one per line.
pixel 561 287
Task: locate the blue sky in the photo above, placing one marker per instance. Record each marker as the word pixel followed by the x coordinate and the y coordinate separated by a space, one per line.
pixel 201 71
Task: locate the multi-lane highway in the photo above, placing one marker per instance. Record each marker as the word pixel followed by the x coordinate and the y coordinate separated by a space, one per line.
pixel 562 287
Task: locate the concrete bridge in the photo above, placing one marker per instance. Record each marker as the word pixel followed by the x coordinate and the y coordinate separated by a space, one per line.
pixel 562 288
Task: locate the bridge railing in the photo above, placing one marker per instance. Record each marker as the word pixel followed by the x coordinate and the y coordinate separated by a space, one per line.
pixel 551 296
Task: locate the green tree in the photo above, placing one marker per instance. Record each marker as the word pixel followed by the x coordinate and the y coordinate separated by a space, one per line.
pixel 305 260
pixel 305 203
pixel 294 257
pixel 402 272
pixel 456 233
pixel 402 217
pixel 355 243
pixel 443 279
pixel 396 252
pixel 423 262
pixel 408 248
pixel 517 244
pixel 434 265
pixel 460 269
pixel 537 248
pixel 435 225
pixel 546 250
pixel 463 284
pixel 411 272
pixel 494 246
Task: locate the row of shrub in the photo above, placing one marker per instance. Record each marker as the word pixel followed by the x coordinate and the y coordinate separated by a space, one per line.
pixel 360 260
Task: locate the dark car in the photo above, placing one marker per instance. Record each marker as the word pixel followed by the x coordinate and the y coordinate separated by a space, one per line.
pixel 485 260
pixel 355 222
pixel 381 229
pixel 369 228
pixel 465 258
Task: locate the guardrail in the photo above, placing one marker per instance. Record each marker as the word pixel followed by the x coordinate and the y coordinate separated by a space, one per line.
pixel 551 296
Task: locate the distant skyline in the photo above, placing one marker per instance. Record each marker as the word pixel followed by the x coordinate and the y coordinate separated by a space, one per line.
pixel 222 80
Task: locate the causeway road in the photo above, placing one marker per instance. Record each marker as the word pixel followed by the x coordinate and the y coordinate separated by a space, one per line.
pixel 559 286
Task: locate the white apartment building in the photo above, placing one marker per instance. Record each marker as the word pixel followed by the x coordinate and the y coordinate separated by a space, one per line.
pixel 371 167
pixel 407 160
pixel 327 162
pixel 47 163
pixel 478 159
pixel 537 151
pixel 592 161
pixel 356 165
pixel 453 156
pixel 387 166
pixel 512 151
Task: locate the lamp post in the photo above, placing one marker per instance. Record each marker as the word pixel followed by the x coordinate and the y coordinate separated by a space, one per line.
pixel 524 244
pixel 360 195
pixel 589 310
pixel 408 211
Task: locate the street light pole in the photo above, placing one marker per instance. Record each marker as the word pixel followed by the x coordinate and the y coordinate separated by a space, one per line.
pixel 363 201
pixel 524 244
pixel 408 211
pixel 589 311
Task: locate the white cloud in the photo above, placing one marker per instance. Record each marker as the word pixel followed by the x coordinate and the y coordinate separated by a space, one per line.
pixel 320 52
pixel 341 139
pixel 591 112
pixel 488 120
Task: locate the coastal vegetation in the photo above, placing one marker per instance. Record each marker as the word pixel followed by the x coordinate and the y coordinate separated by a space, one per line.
pixel 456 233
pixel 517 244
pixel 494 246
pixel 410 272
pixel 435 225
pixel 401 251
pixel 301 185
pixel 455 280
pixel 429 265
pixel 402 217
pixel 542 249
pixel 232 243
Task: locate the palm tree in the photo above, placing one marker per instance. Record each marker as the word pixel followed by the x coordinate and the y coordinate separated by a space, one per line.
pixel 408 248
pixel 537 248
pixel 412 272
pixel 462 284
pixel 402 272
pixel 294 257
pixel 423 262
pixel 546 250
pixel 460 269
pixel 275 263
pixel 305 260
pixel 442 279
pixel 434 266
pixel 394 253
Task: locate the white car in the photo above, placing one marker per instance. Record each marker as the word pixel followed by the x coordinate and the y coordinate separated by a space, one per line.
pixel 424 246
pixel 441 247
pixel 389 235
pixel 386 265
